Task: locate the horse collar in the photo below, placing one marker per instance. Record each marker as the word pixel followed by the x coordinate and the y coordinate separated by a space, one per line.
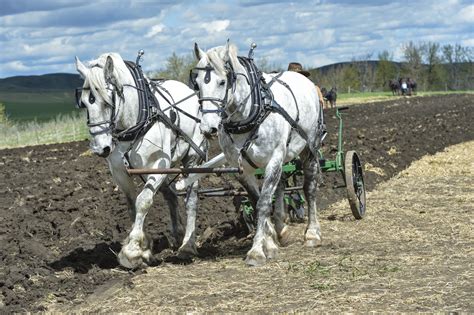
pixel 257 112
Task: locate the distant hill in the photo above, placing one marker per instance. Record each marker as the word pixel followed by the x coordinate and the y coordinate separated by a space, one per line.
pixel 324 70
pixel 47 82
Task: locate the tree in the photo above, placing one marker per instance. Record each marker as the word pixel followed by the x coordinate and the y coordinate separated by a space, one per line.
pixel 265 66
pixel 365 72
pixel 332 78
pixel 386 70
pixel 434 71
pixel 458 64
pixel 177 68
pixel 413 65
pixel 350 79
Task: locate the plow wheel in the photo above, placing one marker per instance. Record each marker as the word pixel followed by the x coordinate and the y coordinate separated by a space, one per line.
pixel 354 178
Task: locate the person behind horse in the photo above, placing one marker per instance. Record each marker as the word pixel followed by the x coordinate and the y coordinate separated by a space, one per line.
pixel 403 86
pixel 297 67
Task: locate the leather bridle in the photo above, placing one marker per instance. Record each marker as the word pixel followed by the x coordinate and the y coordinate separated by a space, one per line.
pixel 111 122
pixel 219 103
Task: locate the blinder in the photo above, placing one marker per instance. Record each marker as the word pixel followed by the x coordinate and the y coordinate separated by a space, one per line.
pixel 231 79
pixel 79 103
pixel 194 74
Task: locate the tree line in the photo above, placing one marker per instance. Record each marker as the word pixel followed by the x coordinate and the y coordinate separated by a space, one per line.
pixel 433 66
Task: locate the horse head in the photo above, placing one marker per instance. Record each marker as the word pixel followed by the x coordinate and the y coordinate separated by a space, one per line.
pixel 100 94
pixel 214 77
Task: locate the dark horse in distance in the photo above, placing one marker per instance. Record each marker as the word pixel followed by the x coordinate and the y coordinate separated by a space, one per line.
pixel 330 97
pixel 394 87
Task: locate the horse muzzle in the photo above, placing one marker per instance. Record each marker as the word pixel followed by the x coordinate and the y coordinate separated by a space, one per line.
pixel 104 152
pixel 211 133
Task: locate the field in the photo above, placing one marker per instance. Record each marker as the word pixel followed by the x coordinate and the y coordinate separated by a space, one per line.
pixel 62 220
pixel 369 97
pixel 40 106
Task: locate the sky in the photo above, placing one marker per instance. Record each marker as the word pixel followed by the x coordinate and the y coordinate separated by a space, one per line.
pixel 43 36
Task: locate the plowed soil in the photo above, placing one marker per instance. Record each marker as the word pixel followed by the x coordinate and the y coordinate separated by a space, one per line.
pixel 62 218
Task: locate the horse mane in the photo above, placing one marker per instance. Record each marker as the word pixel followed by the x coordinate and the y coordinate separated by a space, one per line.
pixel 217 58
pixel 96 79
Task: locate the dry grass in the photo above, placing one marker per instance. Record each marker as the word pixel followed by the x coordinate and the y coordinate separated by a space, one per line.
pixel 413 252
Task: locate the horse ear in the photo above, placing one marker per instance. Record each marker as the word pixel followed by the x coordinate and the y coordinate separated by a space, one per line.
pixel 81 68
pixel 198 52
pixel 109 70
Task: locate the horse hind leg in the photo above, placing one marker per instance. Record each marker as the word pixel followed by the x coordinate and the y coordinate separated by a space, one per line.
pixel 279 214
pixel 251 186
pixel 188 247
pixel 176 222
pixel 311 173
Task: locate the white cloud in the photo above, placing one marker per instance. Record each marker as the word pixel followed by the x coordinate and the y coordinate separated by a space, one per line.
pixel 15 66
pixel 466 14
pixel 155 30
pixel 215 26
pixel 468 42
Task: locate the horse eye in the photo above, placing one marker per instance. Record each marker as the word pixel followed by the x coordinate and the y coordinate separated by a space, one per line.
pixel 91 98
pixel 222 83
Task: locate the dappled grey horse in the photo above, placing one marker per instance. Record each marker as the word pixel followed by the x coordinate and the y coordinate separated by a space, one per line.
pixel 137 123
pixel 286 124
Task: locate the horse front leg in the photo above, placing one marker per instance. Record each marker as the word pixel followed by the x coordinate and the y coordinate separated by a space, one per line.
pixel 123 180
pixel 310 170
pixel 264 242
pixel 137 247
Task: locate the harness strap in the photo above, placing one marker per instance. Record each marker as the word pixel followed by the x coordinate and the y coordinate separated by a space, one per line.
pixel 277 79
pixel 182 111
pixel 144 105
pixel 167 121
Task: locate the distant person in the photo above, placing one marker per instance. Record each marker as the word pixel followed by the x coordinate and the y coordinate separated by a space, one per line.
pixel 297 67
pixel 403 86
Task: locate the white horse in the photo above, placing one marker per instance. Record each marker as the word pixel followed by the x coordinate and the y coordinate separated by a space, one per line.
pixel 225 93
pixel 112 98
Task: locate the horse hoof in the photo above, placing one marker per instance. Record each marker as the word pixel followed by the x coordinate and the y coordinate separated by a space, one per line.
pixel 284 236
pixel 255 258
pixel 252 262
pixel 133 256
pixel 129 263
pixel 313 242
pixel 186 252
pixel 271 252
pixel 270 248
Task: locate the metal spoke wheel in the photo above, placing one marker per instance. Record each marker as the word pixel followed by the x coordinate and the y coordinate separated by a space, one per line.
pixel 354 178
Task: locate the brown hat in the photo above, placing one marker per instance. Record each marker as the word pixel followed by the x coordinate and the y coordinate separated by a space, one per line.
pixel 297 67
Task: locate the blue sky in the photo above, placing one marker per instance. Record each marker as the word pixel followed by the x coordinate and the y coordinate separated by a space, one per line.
pixel 38 37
